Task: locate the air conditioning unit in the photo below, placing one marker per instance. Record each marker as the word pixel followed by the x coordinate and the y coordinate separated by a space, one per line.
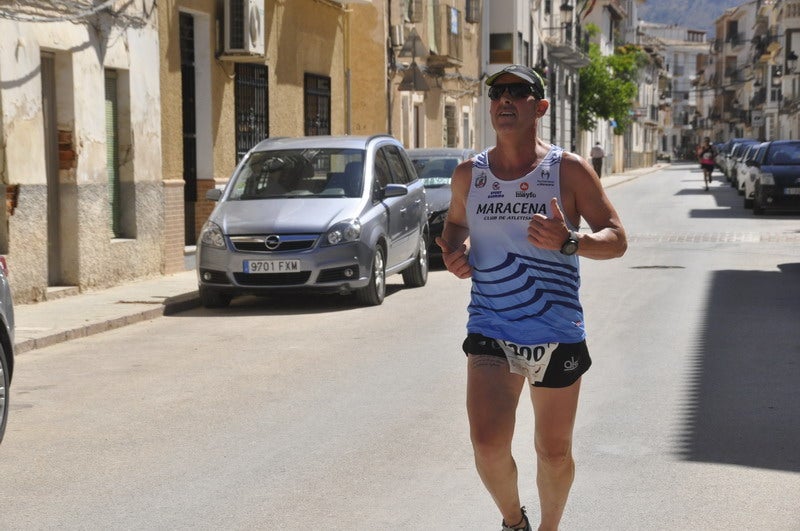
pixel 243 28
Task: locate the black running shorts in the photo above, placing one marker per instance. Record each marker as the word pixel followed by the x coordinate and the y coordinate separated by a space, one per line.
pixel 565 365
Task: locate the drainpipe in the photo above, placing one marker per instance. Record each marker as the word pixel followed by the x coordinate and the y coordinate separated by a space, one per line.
pixel 347 75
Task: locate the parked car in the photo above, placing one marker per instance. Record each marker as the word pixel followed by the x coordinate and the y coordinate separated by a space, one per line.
pixel 776 177
pixel 742 169
pixel 435 168
pixel 6 344
pixel 724 154
pixel 733 159
pixel 333 214
pixel 748 173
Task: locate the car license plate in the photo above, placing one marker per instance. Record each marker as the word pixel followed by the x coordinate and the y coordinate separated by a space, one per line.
pixel 271 266
pixel 791 191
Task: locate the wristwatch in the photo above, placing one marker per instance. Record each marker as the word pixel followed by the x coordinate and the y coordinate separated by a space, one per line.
pixel 570 246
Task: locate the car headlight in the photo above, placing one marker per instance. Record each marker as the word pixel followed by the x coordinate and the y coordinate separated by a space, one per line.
pixel 211 236
pixel 346 231
pixel 767 179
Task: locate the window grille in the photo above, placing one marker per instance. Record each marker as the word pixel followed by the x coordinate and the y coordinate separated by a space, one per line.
pixel 251 106
pixel 317 105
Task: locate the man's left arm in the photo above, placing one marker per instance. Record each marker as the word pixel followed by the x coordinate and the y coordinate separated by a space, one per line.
pixel 585 194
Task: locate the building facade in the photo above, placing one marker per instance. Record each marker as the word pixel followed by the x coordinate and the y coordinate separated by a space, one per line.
pixel 685 54
pixel 81 146
pixel 433 72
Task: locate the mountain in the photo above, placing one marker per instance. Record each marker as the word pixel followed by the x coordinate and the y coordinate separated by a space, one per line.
pixel 692 14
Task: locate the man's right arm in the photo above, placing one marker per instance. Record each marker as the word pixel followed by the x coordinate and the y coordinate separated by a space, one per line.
pixel 454 241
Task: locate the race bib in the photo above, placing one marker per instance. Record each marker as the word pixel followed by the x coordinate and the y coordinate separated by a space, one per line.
pixel 530 361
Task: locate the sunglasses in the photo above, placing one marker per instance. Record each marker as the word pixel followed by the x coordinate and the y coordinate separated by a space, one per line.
pixel 515 91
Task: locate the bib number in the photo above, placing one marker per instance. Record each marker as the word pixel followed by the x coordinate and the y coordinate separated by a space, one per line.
pixel 530 361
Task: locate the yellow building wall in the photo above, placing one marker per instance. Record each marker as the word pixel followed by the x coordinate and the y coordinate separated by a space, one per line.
pixel 303 37
pixel 368 37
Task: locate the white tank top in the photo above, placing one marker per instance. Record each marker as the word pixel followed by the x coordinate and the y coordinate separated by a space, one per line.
pixel 520 293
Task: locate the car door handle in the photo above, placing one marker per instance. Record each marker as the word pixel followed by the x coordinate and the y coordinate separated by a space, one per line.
pixel 403 210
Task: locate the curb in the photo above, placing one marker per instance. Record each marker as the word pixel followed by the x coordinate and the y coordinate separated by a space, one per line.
pixel 181 303
pixel 86 330
pixel 171 306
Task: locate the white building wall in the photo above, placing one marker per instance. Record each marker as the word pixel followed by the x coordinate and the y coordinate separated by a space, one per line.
pixel 90 255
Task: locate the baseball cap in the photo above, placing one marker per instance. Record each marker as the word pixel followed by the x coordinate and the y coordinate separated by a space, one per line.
pixel 523 72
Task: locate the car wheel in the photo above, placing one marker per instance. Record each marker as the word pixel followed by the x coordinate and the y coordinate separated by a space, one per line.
pixel 416 275
pixel 748 203
pixel 373 293
pixel 211 298
pixel 4 384
pixel 758 202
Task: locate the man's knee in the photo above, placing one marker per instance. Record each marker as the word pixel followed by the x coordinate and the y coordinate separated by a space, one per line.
pixel 554 452
pixel 490 445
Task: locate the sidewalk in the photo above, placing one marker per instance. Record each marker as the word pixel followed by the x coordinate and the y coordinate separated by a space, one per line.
pixel 46 323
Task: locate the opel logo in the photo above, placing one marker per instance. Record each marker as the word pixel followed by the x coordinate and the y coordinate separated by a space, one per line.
pixel 272 242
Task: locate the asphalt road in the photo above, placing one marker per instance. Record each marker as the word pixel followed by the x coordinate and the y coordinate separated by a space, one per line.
pixel 313 413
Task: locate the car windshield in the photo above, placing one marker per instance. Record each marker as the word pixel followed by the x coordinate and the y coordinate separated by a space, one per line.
pixel 300 173
pixel 784 155
pixel 435 172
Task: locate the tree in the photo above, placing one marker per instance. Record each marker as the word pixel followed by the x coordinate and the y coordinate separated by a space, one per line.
pixel 608 86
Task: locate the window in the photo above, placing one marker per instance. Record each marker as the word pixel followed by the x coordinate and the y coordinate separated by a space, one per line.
pixel 501 48
pixel 121 191
pixel 733 31
pixel 473 14
pixel 317 105
pixel 414 10
pixel 399 172
pixel 382 173
pixel 450 126
pixel 526 52
pixel 112 153
pixel 251 106
pixel 466 131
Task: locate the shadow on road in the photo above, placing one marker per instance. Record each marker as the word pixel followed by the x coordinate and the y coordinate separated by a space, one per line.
pixel 742 406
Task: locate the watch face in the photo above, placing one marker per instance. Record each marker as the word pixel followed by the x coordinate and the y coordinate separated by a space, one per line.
pixel 570 247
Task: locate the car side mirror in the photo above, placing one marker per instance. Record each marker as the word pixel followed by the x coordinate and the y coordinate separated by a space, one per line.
pixel 394 190
pixel 214 194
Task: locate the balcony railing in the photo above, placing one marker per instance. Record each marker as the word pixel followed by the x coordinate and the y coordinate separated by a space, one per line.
pixel 569 44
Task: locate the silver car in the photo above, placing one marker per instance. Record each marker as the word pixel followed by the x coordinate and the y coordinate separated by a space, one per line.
pixel 334 214
pixel 6 344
